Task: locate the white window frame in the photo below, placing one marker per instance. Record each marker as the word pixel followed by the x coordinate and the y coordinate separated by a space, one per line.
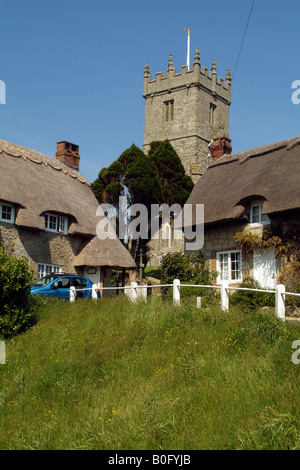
pixel 56 223
pixel 230 254
pixel 263 219
pixel 44 269
pixel 11 220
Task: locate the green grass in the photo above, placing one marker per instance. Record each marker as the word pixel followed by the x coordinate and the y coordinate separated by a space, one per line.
pixel 115 375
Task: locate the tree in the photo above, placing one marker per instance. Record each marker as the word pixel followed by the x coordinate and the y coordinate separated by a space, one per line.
pixel 156 178
pixel 142 183
pixel 108 186
pixel 176 185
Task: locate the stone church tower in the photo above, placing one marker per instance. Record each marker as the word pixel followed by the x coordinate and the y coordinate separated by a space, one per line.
pixel 190 109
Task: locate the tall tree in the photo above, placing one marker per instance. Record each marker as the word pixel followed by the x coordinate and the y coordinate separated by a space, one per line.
pixel 156 178
pixel 133 175
pixel 176 185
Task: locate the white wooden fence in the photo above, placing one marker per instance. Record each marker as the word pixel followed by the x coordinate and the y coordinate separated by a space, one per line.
pixel 136 292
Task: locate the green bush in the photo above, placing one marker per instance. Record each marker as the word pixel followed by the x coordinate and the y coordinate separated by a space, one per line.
pixel 190 268
pixel 251 300
pixel 16 303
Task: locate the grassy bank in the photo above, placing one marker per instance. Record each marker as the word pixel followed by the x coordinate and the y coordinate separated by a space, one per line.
pixel 113 375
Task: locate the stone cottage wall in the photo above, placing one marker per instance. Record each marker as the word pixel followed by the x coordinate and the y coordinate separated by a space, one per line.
pixel 41 247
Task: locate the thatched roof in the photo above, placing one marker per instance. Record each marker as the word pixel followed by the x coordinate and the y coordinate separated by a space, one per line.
pixel 270 172
pixel 104 253
pixel 36 184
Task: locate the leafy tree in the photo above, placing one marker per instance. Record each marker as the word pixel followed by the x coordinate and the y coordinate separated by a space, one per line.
pixel 15 299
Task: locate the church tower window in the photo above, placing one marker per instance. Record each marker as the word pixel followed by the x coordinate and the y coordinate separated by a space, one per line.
pixel 169 111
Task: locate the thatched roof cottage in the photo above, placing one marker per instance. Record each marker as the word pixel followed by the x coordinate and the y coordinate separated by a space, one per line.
pixel 48 214
pixel 255 193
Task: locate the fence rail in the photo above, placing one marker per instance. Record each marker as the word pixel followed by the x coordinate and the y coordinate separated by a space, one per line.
pixel 136 291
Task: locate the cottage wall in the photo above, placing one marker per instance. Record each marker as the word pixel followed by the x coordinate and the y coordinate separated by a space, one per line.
pixel 41 247
pixel 220 238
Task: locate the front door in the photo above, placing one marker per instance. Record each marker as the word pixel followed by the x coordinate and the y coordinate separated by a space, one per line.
pixel 264 267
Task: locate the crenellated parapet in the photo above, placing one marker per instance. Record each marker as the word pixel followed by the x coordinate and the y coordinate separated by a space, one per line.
pixel 189 108
pixel 198 76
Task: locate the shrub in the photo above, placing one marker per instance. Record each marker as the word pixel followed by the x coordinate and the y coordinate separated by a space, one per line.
pixel 16 304
pixel 190 268
pixel 251 300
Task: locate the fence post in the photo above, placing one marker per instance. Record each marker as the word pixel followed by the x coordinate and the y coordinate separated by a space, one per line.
pixel 134 294
pixel 94 291
pixel 280 301
pixel 224 295
pixel 72 294
pixel 176 292
pixel 2 353
pixel 198 302
pixel 143 292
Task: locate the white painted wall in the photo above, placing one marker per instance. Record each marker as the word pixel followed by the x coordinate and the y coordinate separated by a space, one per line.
pixel 95 278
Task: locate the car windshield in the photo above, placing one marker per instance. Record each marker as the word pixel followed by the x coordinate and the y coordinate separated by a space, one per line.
pixel 44 281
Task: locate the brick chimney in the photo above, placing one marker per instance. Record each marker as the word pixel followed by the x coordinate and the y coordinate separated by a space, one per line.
pixel 68 153
pixel 219 147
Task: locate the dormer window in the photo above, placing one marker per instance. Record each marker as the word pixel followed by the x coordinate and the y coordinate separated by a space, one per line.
pixel 256 215
pixel 7 213
pixel 56 223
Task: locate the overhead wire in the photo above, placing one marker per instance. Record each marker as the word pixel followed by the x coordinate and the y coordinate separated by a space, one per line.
pixel 242 43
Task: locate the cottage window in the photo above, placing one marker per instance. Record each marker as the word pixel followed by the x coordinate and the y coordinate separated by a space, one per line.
pixel 56 223
pixel 7 213
pixel 229 266
pixel 46 269
pixel 256 215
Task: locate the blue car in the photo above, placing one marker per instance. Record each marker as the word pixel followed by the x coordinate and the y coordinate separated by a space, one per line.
pixel 58 285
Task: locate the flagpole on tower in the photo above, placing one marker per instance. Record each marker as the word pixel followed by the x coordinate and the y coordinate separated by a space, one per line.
pixel 188 31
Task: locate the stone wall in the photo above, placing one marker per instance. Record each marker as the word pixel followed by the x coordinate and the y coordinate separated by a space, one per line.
pixel 220 238
pixel 41 247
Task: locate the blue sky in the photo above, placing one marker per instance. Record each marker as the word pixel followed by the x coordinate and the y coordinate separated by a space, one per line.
pixel 73 69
